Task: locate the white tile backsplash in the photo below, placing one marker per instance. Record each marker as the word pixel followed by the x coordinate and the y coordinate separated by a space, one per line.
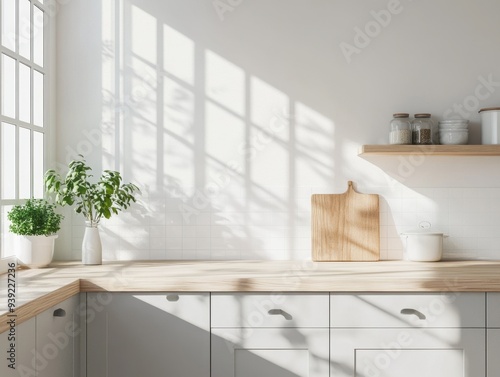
pixel 188 244
pixel 157 244
pixel 469 216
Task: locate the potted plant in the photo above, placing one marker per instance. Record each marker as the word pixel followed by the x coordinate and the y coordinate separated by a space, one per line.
pixel 94 200
pixel 36 223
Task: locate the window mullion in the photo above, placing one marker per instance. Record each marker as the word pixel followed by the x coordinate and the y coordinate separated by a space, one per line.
pixel 1 129
pixel 29 126
pixel 22 59
pixel 16 37
pixel 1 170
pixel 32 34
pixel 16 155
pixel 39 4
pixel 32 119
pixel 17 143
pixel 47 130
pixel 32 160
pixel 16 123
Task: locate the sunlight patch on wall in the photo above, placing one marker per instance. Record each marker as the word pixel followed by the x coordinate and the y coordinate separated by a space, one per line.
pixel 178 130
pixel 225 83
pixel 178 55
pixel 109 79
pixel 144 37
pixel 269 135
pixel 267 103
pixel 225 134
pixel 315 147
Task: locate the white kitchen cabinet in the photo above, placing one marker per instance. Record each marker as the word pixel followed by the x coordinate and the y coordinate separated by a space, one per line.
pixel 413 335
pixel 493 355
pixel 59 332
pixel 408 352
pixel 48 345
pixel 493 333
pixel 24 350
pixel 148 335
pixel 493 309
pixel 270 335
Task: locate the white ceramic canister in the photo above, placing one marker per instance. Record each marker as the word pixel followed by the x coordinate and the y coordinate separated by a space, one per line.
pixel 490 125
pixel 424 246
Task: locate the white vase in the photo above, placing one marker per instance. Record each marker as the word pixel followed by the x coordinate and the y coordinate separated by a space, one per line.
pixel 35 251
pixel 91 246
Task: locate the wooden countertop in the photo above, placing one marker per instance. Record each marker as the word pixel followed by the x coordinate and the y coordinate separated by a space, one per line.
pixel 40 289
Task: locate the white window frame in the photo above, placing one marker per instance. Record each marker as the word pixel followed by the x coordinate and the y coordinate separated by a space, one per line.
pixel 48 129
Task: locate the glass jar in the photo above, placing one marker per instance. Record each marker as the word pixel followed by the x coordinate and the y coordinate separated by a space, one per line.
pixel 400 129
pixel 423 130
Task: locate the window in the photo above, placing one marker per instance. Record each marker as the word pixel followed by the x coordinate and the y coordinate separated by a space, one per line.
pixel 23 106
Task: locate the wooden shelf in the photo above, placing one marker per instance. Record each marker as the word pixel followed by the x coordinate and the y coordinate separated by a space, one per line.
pixel 430 150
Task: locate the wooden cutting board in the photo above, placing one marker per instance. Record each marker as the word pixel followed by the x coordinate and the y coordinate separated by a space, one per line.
pixel 345 227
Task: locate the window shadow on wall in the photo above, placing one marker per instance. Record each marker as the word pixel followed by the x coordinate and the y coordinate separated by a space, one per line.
pixel 224 140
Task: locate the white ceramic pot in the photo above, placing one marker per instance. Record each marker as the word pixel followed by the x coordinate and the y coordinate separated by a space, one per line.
pixel 424 246
pixel 91 246
pixel 35 251
pixel 490 125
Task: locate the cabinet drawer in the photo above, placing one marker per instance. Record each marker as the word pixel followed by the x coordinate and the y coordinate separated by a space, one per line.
pixel 493 315
pixel 450 309
pixel 270 310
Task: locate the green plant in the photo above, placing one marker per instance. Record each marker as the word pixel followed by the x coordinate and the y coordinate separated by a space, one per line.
pixel 36 217
pixel 103 198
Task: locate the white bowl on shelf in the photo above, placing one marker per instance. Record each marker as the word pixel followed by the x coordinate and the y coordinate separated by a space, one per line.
pixel 453 136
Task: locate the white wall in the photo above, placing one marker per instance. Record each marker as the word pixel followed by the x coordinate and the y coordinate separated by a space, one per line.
pixel 229 120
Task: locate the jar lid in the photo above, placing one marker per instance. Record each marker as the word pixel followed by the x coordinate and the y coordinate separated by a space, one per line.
pixel 423 115
pixel 401 115
pixel 489 109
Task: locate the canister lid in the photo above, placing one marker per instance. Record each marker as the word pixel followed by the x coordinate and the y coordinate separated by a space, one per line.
pixel 490 109
pixel 401 115
pixel 423 115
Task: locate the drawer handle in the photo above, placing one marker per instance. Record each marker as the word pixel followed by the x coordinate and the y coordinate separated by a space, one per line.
pixel 59 313
pixel 413 312
pixel 172 298
pixel 287 316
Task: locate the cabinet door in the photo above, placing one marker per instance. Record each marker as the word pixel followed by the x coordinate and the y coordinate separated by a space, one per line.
pixel 408 352
pixel 270 352
pixel 493 348
pixel 148 335
pixel 493 312
pixel 24 349
pixel 58 333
